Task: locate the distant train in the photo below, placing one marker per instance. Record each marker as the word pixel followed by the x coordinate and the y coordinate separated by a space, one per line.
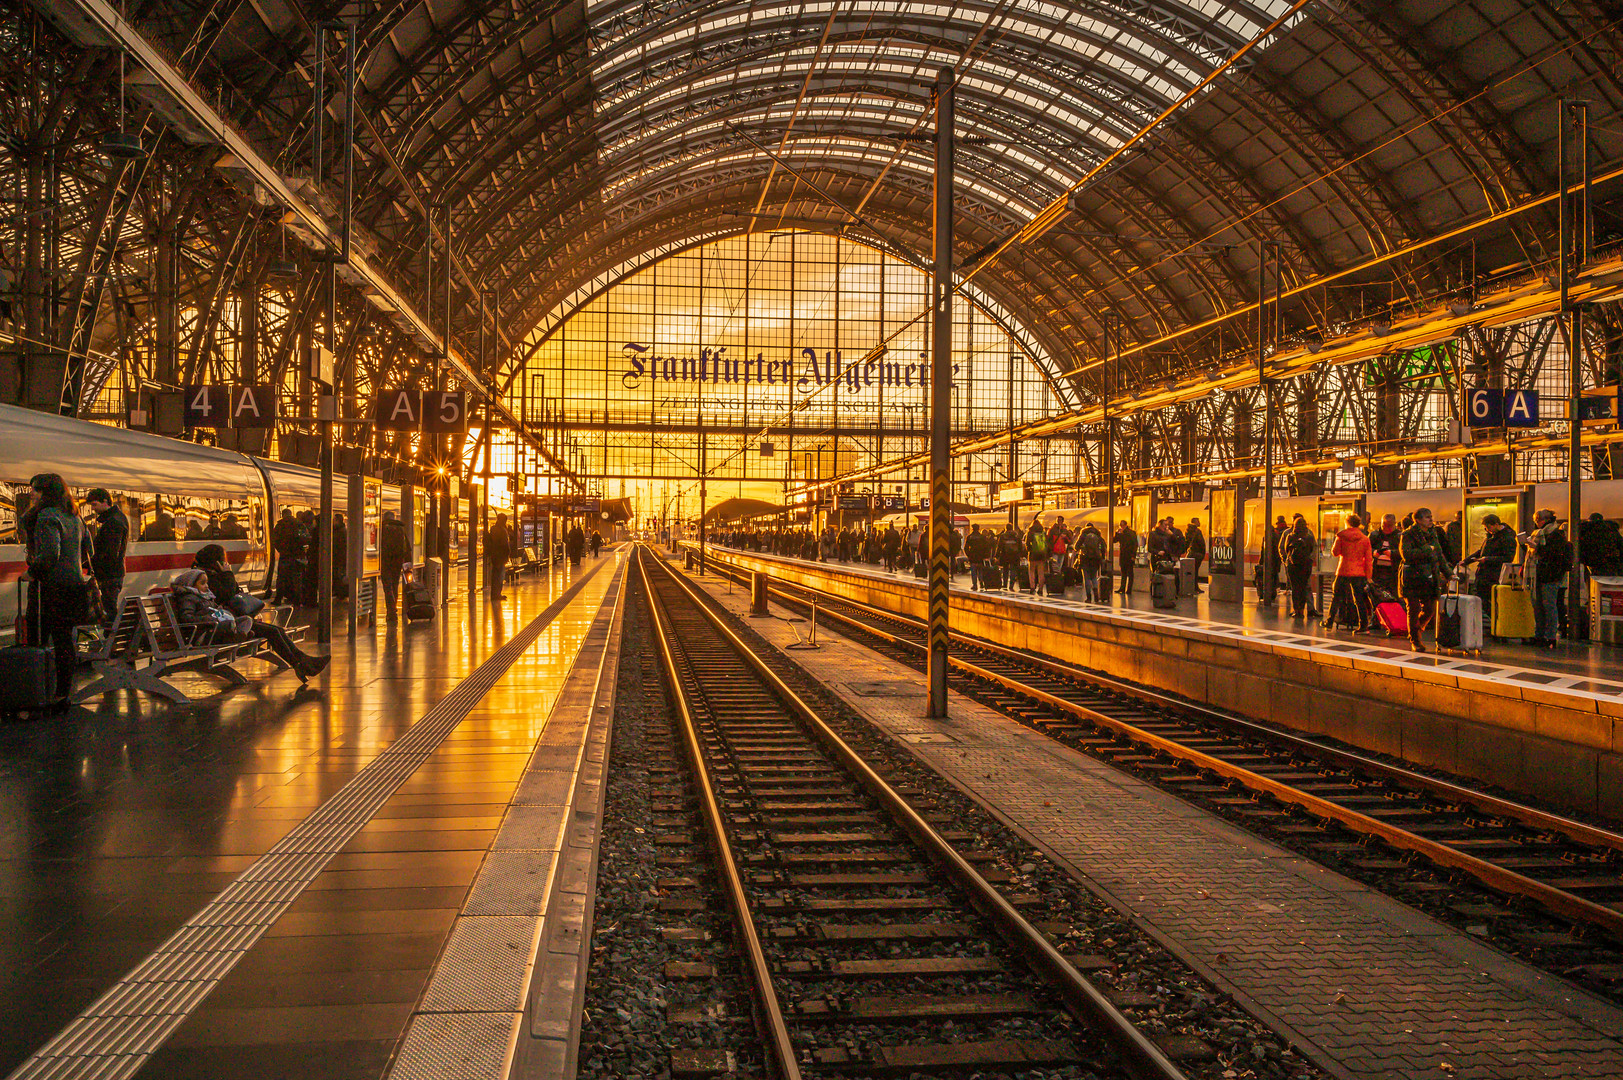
pixel 180 496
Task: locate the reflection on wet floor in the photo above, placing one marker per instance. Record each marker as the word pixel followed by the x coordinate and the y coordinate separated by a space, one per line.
pixel 122 820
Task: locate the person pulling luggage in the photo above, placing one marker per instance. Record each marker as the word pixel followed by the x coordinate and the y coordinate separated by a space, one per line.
pixel 1425 568
pixel 394 551
pixel 58 548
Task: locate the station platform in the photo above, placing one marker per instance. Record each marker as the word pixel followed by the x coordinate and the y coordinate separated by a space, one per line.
pixel 1548 726
pixel 296 882
pixel 1362 984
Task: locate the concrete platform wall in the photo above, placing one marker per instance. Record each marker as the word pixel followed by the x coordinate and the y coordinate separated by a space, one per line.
pixel 1559 746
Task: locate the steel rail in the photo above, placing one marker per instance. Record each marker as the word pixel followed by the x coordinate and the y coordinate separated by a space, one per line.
pixel 775 1031
pixel 1141 1057
pixel 1527 815
pixel 1495 877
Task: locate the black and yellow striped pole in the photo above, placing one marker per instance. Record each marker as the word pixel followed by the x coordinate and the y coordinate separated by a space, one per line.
pixel 941 396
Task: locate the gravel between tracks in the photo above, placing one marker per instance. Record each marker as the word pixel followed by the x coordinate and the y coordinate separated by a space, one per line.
pixel 1160 993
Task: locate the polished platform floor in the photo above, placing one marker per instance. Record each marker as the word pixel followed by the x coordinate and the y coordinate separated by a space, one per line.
pixel 126 820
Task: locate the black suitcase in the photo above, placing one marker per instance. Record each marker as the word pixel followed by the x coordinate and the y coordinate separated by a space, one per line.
pixel 1055 584
pixel 1164 590
pixel 419 601
pixel 991 576
pixel 1021 578
pixel 27 674
pixel 919 569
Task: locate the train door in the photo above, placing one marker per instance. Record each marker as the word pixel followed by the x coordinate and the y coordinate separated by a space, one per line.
pixel 1334 510
pixel 1511 503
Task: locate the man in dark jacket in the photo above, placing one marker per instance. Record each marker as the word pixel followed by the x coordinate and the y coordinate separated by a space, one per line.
pixel 394 551
pixel 978 547
pixel 108 546
pixel 1384 544
pixel 1126 544
pixel 1297 551
pixel 288 540
pixel 1498 551
pixel 1424 567
pixel 498 549
pixel 1090 556
pixel 1599 546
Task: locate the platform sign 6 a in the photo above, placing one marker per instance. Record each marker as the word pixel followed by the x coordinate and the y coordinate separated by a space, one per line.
pixel 222 405
pixel 445 412
pixel 1502 408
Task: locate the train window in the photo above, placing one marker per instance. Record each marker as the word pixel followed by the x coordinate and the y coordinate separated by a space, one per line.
pixel 14 499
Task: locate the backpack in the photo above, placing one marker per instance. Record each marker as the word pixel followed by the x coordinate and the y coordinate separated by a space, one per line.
pixel 1093 546
pixel 1555 557
pixel 1009 546
pixel 1039 545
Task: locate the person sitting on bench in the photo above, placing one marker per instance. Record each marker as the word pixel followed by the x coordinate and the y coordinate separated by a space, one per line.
pixel 195 604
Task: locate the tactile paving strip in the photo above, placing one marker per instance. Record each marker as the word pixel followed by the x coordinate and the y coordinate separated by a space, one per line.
pixel 467 1024
pixel 122 1028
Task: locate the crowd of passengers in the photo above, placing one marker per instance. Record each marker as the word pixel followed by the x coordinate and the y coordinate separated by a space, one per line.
pixel 1044 558
pixel 1409 564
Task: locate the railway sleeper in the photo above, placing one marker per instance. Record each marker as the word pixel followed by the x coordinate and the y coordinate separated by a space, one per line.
pixel 886 1007
pixel 999 1055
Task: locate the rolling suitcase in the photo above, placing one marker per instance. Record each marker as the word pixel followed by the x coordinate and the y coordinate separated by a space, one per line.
pixel 991 576
pixel 1393 618
pixel 920 570
pixel 27 670
pixel 1512 612
pixel 1054 584
pixel 1188 577
pixel 417 597
pixel 1459 622
pixel 1164 590
pixel 1021 577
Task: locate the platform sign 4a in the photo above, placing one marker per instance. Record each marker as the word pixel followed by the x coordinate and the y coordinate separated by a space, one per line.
pixel 226 405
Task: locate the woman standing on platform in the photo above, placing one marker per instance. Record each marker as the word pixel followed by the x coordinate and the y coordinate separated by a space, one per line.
pixel 58 548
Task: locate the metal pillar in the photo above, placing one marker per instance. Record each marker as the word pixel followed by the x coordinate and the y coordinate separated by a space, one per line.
pixel 1113 334
pixel 1270 576
pixel 941 395
pixel 328 402
pixel 1572 326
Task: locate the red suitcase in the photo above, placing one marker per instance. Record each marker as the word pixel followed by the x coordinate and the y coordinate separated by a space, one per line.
pixel 1391 615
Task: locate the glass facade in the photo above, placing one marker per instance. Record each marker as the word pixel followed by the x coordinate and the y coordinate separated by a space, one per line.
pixel 717 353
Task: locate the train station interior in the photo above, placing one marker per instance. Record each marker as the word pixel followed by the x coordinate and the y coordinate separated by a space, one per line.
pixel 735 540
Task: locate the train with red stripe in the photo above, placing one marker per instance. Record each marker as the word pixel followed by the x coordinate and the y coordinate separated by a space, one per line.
pixel 182 495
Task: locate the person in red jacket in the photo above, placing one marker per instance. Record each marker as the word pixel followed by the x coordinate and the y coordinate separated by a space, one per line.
pixel 1352 575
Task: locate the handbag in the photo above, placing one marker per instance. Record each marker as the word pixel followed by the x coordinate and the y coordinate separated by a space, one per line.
pixel 247 605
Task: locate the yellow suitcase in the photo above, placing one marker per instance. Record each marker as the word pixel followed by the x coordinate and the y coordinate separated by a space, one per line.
pixel 1512 612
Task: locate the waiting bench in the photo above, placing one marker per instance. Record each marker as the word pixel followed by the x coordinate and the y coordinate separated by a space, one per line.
pixel 146 643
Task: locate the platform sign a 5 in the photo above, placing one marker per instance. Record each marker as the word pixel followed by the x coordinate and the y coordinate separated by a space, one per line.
pixel 253 406
pixel 445 412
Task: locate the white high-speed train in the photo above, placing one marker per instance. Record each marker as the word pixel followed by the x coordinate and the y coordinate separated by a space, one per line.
pixel 180 496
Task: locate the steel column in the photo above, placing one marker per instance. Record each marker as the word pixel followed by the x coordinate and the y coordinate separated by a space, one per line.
pixel 941 395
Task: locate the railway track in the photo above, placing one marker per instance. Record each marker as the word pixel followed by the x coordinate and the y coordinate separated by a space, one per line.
pixel 873 939
pixel 1569 869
